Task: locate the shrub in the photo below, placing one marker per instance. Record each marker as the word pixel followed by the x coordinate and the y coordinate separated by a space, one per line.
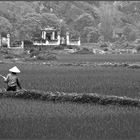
pixel 9 56
pixel 104 45
pixel 60 47
pixel 84 51
pixel 34 52
pixel 28 42
pixel 46 57
pixel 105 49
pixel 74 97
pixel 134 66
pixel 4 51
pixel 138 48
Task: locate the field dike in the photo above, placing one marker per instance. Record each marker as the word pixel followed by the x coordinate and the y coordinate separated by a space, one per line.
pixel 72 97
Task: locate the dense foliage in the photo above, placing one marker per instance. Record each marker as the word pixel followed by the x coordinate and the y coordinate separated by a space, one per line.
pixel 89 19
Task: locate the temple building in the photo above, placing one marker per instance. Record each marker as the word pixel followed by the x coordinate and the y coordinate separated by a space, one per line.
pixel 51 36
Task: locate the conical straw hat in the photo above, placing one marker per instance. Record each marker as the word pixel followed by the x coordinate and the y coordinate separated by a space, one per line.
pixel 14 69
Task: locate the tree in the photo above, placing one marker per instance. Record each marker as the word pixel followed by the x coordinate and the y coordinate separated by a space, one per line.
pixel 85 37
pixel 30 24
pixel 63 28
pixel 24 7
pixel 5 25
pixel 130 32
pixel 110 18
pixel 50 19
pixel 93 36
pixel 72 13
pixel 84 20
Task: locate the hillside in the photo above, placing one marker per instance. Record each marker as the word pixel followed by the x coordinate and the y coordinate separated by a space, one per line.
pixel 91 20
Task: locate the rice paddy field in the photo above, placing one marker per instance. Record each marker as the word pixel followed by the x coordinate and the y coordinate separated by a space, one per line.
pixel 61 121
pixel 41 119
pixel 99 58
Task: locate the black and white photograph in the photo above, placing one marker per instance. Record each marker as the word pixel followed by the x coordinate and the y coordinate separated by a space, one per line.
pixel 70 70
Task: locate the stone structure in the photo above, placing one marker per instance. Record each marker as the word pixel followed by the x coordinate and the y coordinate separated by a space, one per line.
pixel 18 49
pixel 73 42
pixel 8 40
pixel 5 41
pixel 51 37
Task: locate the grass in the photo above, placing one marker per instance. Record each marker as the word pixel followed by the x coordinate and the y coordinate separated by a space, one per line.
pixel 91 98
pixel 34 119
pixel 131 58
pixel 70 121
pixel 106 81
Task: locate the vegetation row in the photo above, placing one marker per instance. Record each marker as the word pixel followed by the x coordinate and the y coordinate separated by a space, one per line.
pixel 72 97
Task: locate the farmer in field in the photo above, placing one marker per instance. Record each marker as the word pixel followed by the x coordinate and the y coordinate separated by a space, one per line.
pixel 12 79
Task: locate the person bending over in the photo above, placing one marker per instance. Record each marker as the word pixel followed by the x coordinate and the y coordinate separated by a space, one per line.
pixel 12 79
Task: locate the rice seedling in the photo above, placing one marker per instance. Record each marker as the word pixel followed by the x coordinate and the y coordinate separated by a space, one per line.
pixel 105 81
pixel 76 119
pixel 36 119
